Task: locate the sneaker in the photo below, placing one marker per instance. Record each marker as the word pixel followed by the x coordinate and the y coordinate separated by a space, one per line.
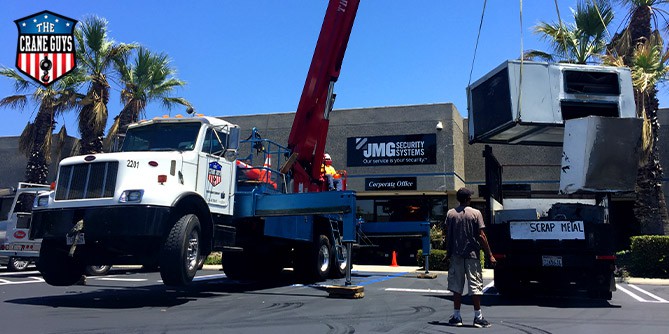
pixel 453 321
pixel 481 323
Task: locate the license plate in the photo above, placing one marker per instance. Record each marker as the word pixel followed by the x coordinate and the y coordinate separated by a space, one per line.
pixel 25 247
pixel 80 239
pixel 551 261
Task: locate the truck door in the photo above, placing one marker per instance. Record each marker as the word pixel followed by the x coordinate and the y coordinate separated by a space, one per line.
pixel 216 174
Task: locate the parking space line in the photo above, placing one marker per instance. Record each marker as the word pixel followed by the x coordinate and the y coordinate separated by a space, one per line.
pixel 637 297
pixel 208 277
pixel 16 273
pixel 659 299
pixel 445 292
pixel 34 280
pixel 490 285
pixel 120 279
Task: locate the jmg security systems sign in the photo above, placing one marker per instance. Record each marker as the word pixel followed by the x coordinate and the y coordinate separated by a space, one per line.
pixel 547 230
pixel 417 149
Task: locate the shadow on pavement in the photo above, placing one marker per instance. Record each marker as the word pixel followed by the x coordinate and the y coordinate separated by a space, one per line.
pixel 158 295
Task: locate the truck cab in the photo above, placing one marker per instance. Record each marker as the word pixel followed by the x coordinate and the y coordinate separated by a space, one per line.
pixel 121 207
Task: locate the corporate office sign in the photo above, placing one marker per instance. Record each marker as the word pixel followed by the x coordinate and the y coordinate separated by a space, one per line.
pixel 416 149
pixel 390 183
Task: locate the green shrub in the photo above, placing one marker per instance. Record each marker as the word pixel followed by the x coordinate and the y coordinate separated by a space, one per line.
pixel 214 258
pixel 623 260
pixel 649 256
pixel 438 260
pixel 437 237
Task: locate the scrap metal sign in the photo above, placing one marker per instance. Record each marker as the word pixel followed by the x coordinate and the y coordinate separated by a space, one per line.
pixel 45 50
pixel 416 149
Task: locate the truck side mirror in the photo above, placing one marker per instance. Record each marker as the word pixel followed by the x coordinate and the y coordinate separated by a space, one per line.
pixel 233 139
pixel 233 144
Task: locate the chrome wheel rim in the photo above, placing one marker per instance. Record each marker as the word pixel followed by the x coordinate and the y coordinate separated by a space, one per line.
pixel 193 250
pixel 323 258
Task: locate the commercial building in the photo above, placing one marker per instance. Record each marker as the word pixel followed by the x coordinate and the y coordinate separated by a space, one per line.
pixel 406 163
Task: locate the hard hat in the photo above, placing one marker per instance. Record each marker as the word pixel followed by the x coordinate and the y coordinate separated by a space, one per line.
pixel 327 157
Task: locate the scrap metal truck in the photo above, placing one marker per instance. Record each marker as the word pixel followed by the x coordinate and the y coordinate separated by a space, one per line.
pixel 564 241
pixel 180 188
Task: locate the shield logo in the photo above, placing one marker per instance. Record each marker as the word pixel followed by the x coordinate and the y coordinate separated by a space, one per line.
pixel 214 175
pixel 45 50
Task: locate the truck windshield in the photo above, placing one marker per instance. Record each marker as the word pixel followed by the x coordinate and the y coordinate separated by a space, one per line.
pixel 162 137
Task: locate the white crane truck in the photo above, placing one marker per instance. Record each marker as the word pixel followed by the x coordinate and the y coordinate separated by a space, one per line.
pixel 176 191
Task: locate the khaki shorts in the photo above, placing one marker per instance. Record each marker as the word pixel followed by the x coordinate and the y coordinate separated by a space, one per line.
pixel 461 267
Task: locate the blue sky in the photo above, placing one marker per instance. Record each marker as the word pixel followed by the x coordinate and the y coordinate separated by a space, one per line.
pixel 251 57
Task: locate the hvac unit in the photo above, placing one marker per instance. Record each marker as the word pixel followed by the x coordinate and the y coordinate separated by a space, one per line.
pixel 528 102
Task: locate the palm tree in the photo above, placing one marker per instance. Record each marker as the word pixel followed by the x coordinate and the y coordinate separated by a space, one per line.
pixel 37 137
pixel 95 55
pixel 148 78
pixel 578 42
pixel 640 46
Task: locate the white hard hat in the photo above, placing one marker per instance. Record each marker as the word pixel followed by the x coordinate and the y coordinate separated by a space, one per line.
pixel 327 157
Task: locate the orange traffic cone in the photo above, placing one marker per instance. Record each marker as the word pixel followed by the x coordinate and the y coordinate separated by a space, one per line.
pixel 394 262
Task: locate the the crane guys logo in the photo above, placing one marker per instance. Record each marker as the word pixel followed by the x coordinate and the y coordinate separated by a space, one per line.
pixel 45 50
pixel 214 175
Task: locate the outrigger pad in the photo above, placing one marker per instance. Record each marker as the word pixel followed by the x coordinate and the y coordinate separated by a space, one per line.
pixel 346 292
pixel 426 275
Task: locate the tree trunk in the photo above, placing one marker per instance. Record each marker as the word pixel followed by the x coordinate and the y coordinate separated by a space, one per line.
pixel 37 169
pixel 650 207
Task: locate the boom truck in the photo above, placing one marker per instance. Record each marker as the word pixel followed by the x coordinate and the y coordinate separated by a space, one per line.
pixel 180 188
pixel 564 241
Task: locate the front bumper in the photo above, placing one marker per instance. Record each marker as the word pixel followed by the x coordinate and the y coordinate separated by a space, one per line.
pixel 102 222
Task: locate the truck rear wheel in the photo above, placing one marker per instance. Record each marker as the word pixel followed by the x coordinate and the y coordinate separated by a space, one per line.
pixel 17 264
pixel 56 266
pixel 314 262
pixel 181 252
pixel 339 260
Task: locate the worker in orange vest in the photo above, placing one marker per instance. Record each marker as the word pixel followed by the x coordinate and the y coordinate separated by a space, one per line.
pixel 330 174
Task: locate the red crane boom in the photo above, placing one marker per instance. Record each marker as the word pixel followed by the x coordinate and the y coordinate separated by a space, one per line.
pixel 310 127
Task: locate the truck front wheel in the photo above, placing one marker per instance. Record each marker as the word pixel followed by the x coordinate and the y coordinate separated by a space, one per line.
pixel 181 252
pixel 56 266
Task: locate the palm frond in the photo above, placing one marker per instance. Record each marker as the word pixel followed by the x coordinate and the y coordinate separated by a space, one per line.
pixel 61 138
pixel 20 83
pixel 170 102
pixel 27 139
pixel 14 101
pixel 111 134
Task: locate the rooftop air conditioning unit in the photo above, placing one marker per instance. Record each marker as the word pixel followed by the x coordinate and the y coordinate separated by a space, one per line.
pixel 528 102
